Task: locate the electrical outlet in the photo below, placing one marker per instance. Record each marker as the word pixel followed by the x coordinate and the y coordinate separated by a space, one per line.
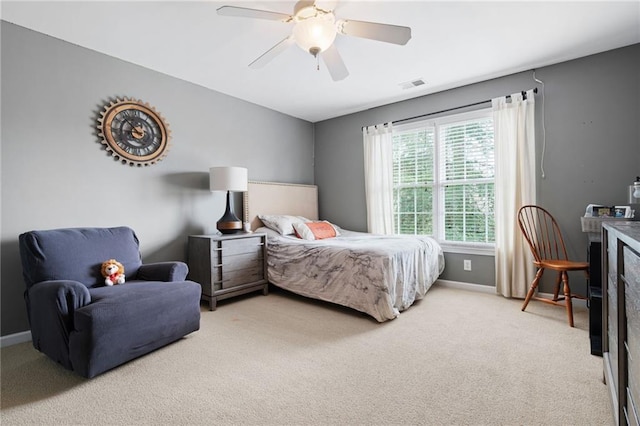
pixel 467 264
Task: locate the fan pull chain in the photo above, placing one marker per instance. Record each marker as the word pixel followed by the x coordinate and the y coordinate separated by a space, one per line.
pixel 315 51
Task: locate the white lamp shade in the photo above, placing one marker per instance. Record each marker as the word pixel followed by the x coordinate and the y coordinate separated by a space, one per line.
pixel 318 31
pixel 228 179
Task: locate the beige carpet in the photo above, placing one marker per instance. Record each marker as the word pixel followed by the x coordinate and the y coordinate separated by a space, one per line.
pixel 456 357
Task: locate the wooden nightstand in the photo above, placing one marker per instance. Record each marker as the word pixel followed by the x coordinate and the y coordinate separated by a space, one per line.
pixel 228 265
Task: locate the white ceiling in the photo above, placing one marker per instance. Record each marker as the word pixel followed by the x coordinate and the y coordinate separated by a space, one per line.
pixel 453 43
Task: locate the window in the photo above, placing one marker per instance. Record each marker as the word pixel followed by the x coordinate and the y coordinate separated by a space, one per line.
pixel 443 174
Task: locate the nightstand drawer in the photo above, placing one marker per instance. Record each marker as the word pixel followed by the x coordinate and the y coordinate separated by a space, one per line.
pixel 220 257
pixel 242 276
pixel 240 246
pixel 240 261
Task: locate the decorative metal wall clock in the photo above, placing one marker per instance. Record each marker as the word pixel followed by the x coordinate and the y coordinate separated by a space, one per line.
pixel 134 132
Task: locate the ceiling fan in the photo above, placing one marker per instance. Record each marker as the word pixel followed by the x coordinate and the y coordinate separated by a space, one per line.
pixel 315 30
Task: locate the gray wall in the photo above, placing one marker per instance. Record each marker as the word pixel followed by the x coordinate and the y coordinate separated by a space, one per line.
pixel 592 152
pixel 56 174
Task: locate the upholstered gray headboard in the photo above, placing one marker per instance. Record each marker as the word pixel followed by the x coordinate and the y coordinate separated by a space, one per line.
pixel 279 198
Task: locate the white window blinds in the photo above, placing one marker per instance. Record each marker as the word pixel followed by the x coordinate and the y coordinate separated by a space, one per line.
pixel 444 178
pixel 467 180
pixel 413 177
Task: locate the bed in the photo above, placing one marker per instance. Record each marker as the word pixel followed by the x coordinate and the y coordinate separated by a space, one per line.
pixel 375 274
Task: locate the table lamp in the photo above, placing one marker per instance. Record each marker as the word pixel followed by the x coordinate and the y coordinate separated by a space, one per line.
pixel 228 179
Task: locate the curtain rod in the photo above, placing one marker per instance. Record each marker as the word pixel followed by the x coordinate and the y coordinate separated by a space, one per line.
pixel 524 93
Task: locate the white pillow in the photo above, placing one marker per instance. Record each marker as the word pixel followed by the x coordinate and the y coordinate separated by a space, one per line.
pixel 282 224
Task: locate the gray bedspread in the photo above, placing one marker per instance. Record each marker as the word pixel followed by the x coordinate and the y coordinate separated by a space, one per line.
pixel 378 275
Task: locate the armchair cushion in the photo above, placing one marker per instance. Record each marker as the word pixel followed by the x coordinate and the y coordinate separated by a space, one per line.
pixel 163 271
pixel 126 321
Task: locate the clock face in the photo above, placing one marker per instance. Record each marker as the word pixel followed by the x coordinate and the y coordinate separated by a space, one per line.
pixel 134 132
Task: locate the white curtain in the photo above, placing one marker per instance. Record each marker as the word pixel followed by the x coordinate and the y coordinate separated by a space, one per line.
pixel 515 187
pixel 378 177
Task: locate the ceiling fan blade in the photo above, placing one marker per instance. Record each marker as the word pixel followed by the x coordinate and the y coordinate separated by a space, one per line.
pixel 267 56
pixel 244 12
pixel 334 63
pixel 372 30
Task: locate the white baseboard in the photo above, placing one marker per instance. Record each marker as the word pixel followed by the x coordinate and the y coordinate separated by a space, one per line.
pixel 14 339
pixel 467 286
pixel 492 290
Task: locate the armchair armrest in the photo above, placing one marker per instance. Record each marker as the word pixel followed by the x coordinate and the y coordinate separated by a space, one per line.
pixel 163 271
pixel 51 306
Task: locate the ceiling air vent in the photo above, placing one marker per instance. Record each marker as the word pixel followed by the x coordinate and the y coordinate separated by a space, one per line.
pixel 413 83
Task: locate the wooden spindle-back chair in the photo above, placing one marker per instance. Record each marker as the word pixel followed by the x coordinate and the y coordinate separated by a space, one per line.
pixel 543 234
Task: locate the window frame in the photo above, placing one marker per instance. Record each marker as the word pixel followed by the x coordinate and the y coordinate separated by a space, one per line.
pixel 438 187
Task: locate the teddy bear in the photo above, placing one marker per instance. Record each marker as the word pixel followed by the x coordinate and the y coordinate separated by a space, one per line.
pixel 113 272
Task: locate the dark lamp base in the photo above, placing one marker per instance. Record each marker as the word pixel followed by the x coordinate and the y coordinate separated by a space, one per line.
pixel 229 227
pixel 229 222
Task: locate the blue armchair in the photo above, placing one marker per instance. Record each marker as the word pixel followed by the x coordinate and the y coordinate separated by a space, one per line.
pixel 88 327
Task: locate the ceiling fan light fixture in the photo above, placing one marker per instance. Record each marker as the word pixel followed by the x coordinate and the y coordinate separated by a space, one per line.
pixel 315 34
pixel 314 31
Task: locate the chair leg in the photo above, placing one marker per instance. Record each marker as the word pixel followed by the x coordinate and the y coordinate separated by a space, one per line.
pixel 556 290
pixel 567 295
pixel 533 287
